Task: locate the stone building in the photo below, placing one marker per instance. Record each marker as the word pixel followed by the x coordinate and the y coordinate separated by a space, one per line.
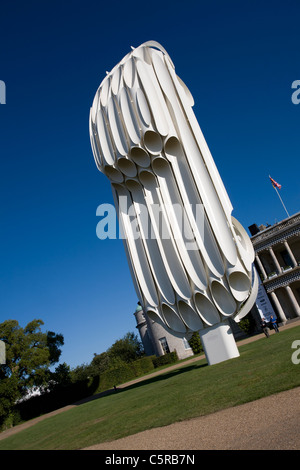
pixel 157 339
pixel 277 259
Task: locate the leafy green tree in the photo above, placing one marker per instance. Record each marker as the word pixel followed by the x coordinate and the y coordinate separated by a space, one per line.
pixel 54 341
pixel 81 372
pixel 100 363
pixel 195 343
pixel 128 348
pixel 29 354
pixel 61 376
pixel 247 324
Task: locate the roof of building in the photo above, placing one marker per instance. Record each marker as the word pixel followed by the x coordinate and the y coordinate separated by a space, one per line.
pixel 138 308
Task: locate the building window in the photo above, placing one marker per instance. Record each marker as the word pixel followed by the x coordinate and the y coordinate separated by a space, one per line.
pixel 185 343
pixel 164 345
pixel 286 258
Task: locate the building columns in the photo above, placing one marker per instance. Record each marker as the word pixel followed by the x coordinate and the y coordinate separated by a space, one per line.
pixel 280 312
pixel 293 300
pixel 288 249
pixel 260 265
pixel 275 260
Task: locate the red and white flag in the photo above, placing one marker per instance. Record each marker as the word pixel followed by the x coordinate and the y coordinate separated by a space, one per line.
pixel 274 183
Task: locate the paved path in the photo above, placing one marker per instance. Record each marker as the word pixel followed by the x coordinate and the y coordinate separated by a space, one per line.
pixel 270 423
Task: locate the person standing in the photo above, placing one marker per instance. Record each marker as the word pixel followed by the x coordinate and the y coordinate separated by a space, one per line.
pixel 264 326
pixel 273 322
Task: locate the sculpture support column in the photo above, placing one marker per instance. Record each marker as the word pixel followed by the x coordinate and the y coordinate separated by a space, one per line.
pixel 218 343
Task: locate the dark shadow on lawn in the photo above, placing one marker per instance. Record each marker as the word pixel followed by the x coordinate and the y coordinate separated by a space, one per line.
pixel 141 383
pixel 164 376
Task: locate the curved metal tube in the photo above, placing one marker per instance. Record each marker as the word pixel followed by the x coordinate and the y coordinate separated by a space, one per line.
pixel 179 223
pixel 215 175
pixel 136 249
pixel 192 202
pixel 165 240
pixel 207 192
pixel 189 316
pixel 151 247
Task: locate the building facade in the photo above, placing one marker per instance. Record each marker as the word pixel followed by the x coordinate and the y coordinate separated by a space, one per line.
pixel 157 339
pixel 277 259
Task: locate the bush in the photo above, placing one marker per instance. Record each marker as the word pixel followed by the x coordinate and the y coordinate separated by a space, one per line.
pixel 195 343
pixel 59 397
pixel 116 376
pixel 11 419
pixel 165 359
pixel 247 324
pixel 124 373
pixel 142 366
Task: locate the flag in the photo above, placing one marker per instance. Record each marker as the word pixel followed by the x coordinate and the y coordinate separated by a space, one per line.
pixel 274 183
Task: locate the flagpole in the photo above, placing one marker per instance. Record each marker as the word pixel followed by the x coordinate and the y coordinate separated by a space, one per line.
pixel 281 201
pixel 273 184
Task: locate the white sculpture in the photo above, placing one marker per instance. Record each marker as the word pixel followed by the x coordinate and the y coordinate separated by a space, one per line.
pixel 196 271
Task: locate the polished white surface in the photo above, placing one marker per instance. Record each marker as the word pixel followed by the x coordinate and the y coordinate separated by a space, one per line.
pixel 146 139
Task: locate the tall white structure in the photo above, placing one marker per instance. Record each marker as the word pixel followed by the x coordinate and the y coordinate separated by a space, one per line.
pixel 191 261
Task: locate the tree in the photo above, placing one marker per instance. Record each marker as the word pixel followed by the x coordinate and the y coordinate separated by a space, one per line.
pixel 247 324
pixel 100 363
pixel 61 377
pixel 128 348
pixel 195 343
pixel 53 343
pixel 29 353
pixel 81 372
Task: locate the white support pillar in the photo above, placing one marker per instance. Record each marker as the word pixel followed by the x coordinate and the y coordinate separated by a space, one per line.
pixel 260 265
pixel 218 343
pixel 288 249
pixel 278 307
pixel 293 300
pixel 275 260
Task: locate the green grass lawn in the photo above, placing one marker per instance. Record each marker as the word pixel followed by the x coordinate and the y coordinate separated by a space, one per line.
pixel 263 368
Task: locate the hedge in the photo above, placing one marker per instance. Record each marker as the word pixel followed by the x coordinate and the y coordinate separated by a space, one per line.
pixel 62 396
pixel 126 372
pixel 166 359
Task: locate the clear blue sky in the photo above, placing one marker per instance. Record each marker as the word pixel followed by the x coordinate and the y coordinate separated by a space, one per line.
pixel 238 58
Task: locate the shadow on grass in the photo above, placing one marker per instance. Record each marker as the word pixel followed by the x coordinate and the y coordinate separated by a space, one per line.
pixel 141 383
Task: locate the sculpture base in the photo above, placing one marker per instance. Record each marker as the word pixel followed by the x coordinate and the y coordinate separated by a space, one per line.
pixel 218 343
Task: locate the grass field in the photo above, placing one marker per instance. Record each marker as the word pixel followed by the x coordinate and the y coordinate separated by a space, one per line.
pixel 263 368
